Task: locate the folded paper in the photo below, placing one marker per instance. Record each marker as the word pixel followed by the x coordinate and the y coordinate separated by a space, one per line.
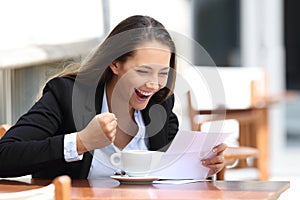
pixel 183 158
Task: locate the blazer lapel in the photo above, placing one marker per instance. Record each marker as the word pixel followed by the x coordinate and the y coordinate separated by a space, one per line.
pixel 155 117
pixel 91 106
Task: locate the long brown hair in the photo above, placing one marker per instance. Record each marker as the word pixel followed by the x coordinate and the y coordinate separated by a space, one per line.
pixel 120 44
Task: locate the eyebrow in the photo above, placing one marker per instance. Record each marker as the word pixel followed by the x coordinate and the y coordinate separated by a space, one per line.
pixel 149 67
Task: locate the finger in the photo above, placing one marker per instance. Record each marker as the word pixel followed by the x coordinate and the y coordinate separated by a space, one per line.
pixel 107 117
pixel 214 160
pixel 104 120
pixel 112 116
pixel 214 171
pixel 215 167
pixel 210 173
pixel 111 135
pixel 110 128
pixel 219 148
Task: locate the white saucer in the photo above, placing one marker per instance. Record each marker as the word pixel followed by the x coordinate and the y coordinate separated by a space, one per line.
pixel 130 179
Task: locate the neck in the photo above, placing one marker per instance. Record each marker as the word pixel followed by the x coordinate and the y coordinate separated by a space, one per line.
pixel 110 86
pixel 127 127
pixel 109 89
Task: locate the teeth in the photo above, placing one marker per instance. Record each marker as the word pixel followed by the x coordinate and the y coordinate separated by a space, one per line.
pixel 144 93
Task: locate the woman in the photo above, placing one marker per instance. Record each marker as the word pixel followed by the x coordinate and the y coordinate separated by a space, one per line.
pixel 119 99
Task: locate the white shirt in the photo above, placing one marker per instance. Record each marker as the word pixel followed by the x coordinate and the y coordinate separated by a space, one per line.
pixel 100 166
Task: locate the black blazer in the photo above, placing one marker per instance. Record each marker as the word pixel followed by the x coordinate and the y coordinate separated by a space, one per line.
pixel 34 145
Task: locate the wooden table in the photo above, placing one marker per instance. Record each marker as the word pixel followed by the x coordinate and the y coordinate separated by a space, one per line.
pixel 112 189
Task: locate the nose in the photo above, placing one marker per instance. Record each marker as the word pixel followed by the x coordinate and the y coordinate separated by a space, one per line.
pixel 152 85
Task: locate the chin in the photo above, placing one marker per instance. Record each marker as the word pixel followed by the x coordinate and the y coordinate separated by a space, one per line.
pixel 138 104
pixel 140 107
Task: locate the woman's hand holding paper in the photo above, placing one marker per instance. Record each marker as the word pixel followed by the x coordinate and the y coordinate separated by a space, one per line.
pixel 216 163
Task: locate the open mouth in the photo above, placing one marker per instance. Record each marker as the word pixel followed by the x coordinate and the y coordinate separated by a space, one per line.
pixel 142 94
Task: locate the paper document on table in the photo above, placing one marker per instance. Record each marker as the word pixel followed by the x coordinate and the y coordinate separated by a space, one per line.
pixel 183 158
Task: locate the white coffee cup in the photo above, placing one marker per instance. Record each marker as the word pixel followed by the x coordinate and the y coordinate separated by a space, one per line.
pixel 136 162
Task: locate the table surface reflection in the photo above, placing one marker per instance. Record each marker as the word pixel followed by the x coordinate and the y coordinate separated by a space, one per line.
pixel 113 189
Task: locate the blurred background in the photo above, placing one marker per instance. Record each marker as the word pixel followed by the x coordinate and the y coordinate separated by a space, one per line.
pixel 38 38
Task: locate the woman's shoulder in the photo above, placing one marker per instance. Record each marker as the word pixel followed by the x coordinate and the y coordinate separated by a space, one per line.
pixel 60 81
pixel 66 86
pixel 59 85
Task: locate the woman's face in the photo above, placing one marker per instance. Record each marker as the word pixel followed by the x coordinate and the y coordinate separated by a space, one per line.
pixel 143 74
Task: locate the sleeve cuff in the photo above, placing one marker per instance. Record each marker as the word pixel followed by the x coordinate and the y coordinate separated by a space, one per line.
pixel 70 148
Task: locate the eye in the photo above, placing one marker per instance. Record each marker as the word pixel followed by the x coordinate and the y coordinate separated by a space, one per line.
pixel 141 71
pixel 164 73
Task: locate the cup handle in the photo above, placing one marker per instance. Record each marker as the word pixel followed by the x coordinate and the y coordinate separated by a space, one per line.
pixel 113 159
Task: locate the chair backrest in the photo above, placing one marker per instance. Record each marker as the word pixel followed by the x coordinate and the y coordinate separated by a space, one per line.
pixel 227 125
pixel 242 86
pixel 59 189
pixel 3 129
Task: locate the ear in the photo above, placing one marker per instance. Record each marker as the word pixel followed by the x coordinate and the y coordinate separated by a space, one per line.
pixel 114 68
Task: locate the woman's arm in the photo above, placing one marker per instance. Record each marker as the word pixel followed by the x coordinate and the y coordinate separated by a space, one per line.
pixel 36 139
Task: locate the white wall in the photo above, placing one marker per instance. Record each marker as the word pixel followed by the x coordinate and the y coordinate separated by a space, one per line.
pixel 34 32
pixel 173 14
pixel 34 22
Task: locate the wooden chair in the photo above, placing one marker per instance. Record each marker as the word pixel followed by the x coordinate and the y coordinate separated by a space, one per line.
pixel 232 155
pixel 59 189
pixel 3 129
pixel 62 188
